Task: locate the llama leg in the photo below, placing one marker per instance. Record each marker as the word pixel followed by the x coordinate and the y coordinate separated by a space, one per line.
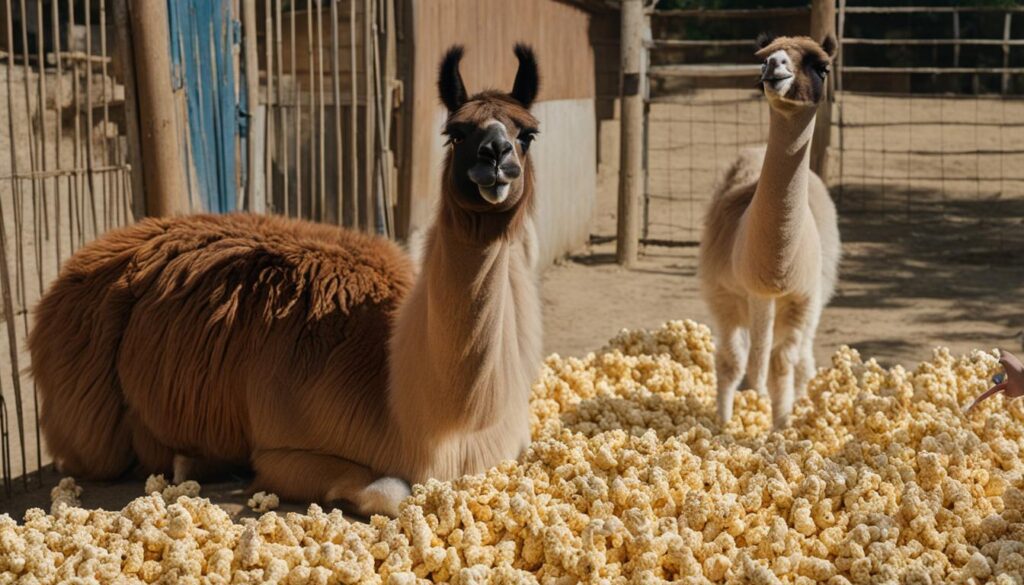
pixel 805 367
pixel 792 320
pixel 780 377
pixel 184 468
pixel 762 320
pixel 730 360
pixel 307 476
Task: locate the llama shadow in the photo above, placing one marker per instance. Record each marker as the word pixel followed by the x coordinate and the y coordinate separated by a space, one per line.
pixel 230 493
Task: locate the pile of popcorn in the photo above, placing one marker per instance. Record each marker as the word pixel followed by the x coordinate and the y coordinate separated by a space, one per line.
pixel 879 479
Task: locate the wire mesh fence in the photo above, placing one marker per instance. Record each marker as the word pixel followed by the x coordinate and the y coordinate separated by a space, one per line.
pixel 323 119
pixel 689 138
pixel 314 86
pixel 63 181
pixel 913 154
pixel 938 138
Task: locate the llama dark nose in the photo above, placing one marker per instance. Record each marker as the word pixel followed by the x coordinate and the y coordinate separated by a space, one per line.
pixel 772 63
pixel 494 148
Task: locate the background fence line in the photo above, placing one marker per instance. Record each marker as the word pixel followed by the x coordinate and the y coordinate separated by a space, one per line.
pixel 906 138
pixel 65 180
pixel 303 126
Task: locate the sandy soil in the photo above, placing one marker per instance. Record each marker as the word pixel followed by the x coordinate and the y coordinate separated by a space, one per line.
pixel 926 262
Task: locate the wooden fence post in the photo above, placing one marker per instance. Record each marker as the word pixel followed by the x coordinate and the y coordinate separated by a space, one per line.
pixel 163 171
pixel 131 107
pixel 631 180
pixel 1007 26
pixel 254 188
pixel 823 22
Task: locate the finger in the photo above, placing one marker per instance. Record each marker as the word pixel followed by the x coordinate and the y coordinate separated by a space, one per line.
pixel 988 393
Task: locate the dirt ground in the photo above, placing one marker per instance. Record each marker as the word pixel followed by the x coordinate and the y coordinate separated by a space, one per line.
pixel 926 263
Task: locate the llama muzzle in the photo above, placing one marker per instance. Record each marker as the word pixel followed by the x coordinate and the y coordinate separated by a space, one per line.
pixel 496 166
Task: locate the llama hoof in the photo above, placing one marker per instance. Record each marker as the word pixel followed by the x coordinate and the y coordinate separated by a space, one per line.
pixel 383 496
pixel 780 423
pixel 724 413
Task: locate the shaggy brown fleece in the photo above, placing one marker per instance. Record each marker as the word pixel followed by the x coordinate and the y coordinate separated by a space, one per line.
pixel 156 338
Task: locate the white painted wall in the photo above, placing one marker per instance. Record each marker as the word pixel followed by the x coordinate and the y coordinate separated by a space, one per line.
pixel 565 155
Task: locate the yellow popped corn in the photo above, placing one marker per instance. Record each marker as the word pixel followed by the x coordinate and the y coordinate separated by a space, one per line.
pixel 155 483
pixel 65 493
pixel 880 478
pixel 263 502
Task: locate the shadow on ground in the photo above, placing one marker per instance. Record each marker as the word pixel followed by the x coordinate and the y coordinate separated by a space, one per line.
pixel 966 252
pixel 231 494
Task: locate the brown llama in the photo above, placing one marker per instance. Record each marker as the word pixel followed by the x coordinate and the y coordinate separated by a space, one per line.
pixel 303 351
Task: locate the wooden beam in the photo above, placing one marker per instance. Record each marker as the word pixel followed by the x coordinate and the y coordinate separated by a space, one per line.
pixel 935 70
pixel 732 13
pixel 122 26
pixel 932 42
pixel 929 9
pixel 631 172
pixel 684 43
pixel 162 165
pixel 956 35
pixel 823 24
pixel 706 70
pixel 405 33
pixel 254 192
pixel 1007 24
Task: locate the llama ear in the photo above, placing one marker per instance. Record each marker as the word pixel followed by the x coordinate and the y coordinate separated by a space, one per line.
pixel 449 80
pixel 527 83
pixel 828 44
pixel 763 40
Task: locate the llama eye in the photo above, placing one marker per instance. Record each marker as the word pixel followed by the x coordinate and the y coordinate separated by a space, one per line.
pixel 822 72
pixel 454 136
pixel 525 139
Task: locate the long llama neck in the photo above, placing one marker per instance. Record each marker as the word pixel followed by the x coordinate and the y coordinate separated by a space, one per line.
pixel 467 344
pixel 770 236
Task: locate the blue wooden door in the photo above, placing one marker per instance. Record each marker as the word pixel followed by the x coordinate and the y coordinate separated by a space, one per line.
pixel 202 34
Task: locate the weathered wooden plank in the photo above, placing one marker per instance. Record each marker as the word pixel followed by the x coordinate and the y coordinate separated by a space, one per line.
pixel 705 70
pixel 702 13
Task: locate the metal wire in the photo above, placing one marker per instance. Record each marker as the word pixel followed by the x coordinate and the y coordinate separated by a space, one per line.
pixel 323 128
pixel 76 188
pixel 905 154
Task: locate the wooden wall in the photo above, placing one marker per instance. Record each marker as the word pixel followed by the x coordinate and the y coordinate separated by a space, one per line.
pixel 561 35
pixel 566 169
